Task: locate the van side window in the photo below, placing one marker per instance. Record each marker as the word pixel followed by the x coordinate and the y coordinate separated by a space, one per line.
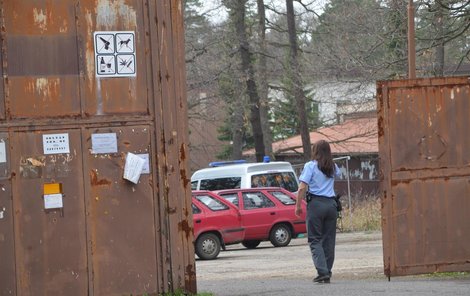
pixel 194 185
pixel 220 183
pixel 285 180
pixel 256 200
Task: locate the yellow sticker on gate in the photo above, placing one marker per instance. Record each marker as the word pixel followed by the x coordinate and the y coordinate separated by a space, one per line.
pixel 52 188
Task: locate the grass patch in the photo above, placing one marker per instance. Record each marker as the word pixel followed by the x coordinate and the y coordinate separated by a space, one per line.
pixel 364 214
pixel 447 274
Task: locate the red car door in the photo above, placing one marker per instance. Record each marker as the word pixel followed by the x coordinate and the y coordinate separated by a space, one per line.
pixel 258 214
pixel 217 214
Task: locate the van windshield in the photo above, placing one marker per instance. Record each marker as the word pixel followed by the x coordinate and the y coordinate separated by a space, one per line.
pixel 285 180
pixel 220 183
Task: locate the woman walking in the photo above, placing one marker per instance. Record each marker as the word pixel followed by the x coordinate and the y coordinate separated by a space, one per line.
pixel 317 186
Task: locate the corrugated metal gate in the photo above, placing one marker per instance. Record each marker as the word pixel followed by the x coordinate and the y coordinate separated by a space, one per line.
pixel 425 161
pixel 111 237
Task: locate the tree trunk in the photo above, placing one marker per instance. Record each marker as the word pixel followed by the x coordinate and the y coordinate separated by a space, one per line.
pixel 263 83
pixel 439 24
pixel 237 124
pixel 298 86
pixel 238 14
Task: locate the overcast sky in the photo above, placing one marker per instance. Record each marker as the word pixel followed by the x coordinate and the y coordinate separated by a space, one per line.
pixel 217 12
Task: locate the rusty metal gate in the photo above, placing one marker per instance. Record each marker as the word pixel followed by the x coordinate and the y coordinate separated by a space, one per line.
pixel 424 148
pixel 94 91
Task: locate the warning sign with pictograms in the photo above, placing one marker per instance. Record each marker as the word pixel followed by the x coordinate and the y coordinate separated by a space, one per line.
pixel 115 54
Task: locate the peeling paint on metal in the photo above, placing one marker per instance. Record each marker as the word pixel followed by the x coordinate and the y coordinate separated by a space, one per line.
pixel 110 13
pixel 40 18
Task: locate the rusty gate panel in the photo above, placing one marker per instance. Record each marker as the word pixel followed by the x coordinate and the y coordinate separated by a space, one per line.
pixel 425 162
pixel 7 248
pixel 124 258
pixel 50 255
pixel 42 63
pixel 2 90
pixel 117 95
pixel 112 237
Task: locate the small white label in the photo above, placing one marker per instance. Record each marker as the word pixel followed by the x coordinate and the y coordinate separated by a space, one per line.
pixel 3 152
pixel 104 143
pixel 146 168
pixel 133 168
pixel 56 143
pixel 53 201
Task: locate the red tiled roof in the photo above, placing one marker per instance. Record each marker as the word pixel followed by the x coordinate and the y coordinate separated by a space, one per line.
pixel 353 136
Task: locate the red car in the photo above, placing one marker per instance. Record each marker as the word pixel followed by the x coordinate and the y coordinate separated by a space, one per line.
pixel 267 214
pixel 217 223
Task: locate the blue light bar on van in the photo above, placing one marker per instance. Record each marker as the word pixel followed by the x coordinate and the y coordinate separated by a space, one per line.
pixel 222 163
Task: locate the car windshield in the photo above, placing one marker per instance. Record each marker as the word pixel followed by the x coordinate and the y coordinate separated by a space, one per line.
pixel 212 203
pixel 285 180
pixel 282 197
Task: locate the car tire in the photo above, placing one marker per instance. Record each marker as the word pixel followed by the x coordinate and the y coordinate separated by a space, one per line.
pixel 280 235
pixel 251 244
pixel 208 246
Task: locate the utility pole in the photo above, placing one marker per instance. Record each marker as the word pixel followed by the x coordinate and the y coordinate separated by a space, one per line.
pixel 411 41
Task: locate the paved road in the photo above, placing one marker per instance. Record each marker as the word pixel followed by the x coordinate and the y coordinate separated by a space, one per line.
pixel 358 270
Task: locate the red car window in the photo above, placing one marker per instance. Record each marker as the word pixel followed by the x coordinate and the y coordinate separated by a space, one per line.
pixel 212 203
pixel 196 210
pixel 231 197
pixel 256 200
pixel 284 198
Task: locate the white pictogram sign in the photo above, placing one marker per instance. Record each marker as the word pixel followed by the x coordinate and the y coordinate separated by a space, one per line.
pixel 115 54
pixel 126 64
pixel 104 43
pixel 107 64
pixel 125 43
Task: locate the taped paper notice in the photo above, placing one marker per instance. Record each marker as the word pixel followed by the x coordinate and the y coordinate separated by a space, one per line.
pixel 146 168
pixel 104 143
pixel 133 167
pixel 3 153
pixel 53 201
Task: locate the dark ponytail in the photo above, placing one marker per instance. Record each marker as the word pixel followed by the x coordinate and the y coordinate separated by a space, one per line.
pixel 321 152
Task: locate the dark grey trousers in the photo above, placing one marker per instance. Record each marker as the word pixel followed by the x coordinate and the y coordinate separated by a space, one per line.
pixel 321 230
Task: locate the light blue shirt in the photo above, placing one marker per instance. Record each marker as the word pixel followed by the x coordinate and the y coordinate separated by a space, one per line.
pixel 317 182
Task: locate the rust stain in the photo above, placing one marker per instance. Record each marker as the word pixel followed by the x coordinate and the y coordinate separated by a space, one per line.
pixel 96 182
pixel 186 228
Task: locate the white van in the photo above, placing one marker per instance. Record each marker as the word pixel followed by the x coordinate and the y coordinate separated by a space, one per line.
pixel 246 175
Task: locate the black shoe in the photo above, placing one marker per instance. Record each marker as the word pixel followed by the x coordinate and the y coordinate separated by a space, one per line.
pixel 322 279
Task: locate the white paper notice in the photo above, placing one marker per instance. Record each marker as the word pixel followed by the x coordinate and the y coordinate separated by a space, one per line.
pixel 55 143
pixel 146 168
pixel 53 201
pixel 3 152
pixel 104 143
pixel 133 167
